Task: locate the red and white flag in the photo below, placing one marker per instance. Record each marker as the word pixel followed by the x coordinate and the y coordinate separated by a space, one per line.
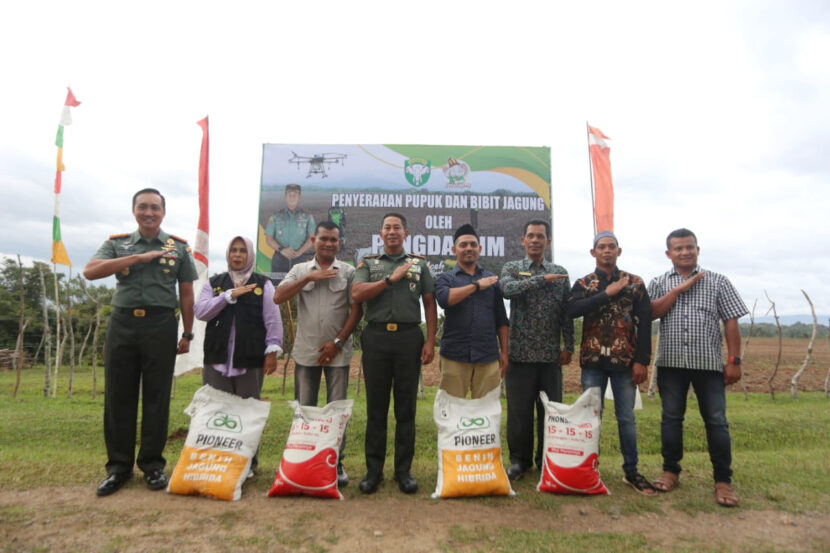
pixel 201 253
pixel 603 187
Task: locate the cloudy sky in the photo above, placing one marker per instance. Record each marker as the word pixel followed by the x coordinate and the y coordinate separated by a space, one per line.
pixel 718 112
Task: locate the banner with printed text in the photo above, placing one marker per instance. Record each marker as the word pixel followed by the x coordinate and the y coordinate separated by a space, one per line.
pixel 437 188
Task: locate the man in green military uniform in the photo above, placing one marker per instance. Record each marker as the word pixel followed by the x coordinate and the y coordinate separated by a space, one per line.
pixel 141 339
pixel 391 284
pixel 289 232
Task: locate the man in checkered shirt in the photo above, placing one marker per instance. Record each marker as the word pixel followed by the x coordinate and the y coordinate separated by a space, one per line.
pixel 690 304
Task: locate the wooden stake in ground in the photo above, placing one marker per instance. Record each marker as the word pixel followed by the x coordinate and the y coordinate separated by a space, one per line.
pixel 780 346
pixel 58 342
pixel 71 331
pixel 17 359
pixel 652 377
pixel 288 354
pixel 47 338
pixel 98 308
pixel 746 346
pixel 796 376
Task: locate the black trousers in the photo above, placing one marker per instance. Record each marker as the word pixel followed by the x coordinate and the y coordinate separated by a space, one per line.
pixel 523 382
pixel 140 352
pixel 391 362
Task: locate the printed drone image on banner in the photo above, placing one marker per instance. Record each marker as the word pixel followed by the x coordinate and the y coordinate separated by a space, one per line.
pixel 437 188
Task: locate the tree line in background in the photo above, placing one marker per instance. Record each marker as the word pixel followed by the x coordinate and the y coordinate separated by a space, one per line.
pixel 79 320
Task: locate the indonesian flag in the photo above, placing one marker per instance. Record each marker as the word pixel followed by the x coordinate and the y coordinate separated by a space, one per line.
pixel 603 188
pixel 195 357
pixel 59 255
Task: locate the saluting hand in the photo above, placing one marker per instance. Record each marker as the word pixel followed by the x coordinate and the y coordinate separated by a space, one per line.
pixel 147 257
pixel 236 292
pixel 400 271
pixel 689 282
pixel 321 274
pixel 552 277
pixel 487 282
pixel 616 287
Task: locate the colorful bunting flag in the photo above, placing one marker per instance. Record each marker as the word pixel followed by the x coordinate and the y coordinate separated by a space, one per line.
pixel 602 186
pixel 59 255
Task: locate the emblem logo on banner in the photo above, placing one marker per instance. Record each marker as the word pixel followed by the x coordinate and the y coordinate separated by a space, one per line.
pixel 417 171
pixel 457 172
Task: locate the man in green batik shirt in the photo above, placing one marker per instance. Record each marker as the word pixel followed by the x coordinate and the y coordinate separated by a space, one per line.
pixel 289 232
pixel 141 343
pixel 541 342
pixel 392 284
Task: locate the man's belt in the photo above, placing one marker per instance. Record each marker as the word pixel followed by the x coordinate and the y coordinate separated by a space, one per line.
pixel 142 311
pixel 394 327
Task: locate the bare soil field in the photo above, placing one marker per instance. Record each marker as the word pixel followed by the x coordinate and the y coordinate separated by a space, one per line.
pixel 136 520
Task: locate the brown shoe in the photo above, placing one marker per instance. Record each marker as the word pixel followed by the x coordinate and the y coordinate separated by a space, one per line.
pixel 725 496
pixel 667 481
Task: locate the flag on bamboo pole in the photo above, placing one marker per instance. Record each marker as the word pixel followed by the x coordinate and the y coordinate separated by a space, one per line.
pixel 195 357
pixel 59 255
pixel 602 186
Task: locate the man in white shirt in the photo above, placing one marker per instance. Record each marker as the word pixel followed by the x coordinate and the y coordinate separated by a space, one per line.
pixel 326 319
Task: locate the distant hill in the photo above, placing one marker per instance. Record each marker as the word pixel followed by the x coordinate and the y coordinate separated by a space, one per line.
pixel 790 319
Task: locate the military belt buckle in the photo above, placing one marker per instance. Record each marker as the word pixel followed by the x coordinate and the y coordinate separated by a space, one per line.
pixel 392 327
pixel 139 313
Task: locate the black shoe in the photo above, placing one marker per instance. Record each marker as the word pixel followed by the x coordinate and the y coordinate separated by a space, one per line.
pixel 342 477
pixel 155 479
pixel 639 483
pixel 113 483
pixel 370 483
pixel 516 471
pixel 407 483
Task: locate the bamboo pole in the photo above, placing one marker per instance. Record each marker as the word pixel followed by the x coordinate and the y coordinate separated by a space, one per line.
pixel 47 338
pixel 58 343
pixel 746 346
pixel 796 376
pixel 17 359
pixel 288 354
pixel 71 331
pixel 780 347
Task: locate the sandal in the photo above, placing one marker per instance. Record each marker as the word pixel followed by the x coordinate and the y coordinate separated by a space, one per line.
pixel 667 481
pixel 640 484
pixel 725 496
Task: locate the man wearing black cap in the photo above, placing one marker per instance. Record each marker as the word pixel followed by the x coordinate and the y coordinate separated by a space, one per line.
pixel 471 360
pixel 616 342
pixel 289 232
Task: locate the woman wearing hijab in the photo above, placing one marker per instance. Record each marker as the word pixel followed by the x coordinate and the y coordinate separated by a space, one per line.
pixel 243 335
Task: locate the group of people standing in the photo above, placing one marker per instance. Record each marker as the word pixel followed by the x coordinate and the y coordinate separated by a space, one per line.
pixel 480 346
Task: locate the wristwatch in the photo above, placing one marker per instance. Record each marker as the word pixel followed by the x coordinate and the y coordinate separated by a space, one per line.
pixel 477 285
pixel 187 335
pixel 338 343
pixel 388 281
pixel 735 360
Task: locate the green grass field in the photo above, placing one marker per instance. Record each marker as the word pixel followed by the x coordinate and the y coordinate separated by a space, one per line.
pixel 780 448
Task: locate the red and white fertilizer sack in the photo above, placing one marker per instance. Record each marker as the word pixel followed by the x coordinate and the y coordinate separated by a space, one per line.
pixel 572 445
pixel 469 446
pixel 223 437
pixel 309 462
